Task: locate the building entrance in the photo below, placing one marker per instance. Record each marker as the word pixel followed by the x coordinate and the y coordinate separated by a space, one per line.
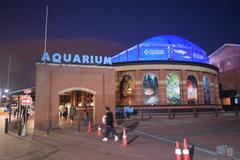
pixel 82 100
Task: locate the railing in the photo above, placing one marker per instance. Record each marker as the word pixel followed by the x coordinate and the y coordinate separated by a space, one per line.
pixel 172 110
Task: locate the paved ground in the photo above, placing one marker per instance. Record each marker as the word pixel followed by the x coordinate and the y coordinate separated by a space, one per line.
pixel 152 139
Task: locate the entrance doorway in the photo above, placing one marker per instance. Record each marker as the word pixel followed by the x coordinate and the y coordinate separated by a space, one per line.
pixel 83 101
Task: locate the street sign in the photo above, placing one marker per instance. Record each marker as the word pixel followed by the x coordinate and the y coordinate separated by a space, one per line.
pixel 26 100
pixel 27 91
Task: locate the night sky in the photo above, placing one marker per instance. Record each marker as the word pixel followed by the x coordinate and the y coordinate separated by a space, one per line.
pixel 106 27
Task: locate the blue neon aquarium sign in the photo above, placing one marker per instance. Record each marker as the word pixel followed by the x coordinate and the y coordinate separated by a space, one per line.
pixel 75 58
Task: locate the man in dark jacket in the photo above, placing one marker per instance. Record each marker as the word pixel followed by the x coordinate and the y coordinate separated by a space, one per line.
pixel 109 125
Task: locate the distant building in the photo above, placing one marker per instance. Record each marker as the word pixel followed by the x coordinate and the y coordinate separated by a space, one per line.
pixel 227 59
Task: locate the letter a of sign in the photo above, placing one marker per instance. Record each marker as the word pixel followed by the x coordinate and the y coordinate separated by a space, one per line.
pixel 46 57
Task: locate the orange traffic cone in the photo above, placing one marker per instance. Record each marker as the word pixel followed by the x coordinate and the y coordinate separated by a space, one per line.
pixel 178 152
pixel 99 133
pixel 124 138
pixel 186 155
pixel 89 127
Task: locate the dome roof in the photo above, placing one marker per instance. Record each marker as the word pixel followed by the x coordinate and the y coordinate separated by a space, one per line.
pixel 163 48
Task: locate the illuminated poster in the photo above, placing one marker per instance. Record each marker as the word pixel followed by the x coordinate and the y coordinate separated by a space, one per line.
pixel 173 89
pixel 192 89
pixel 126 86
pixel 150 89
pixel 206 90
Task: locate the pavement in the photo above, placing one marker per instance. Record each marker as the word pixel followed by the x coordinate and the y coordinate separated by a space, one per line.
pixel 151 139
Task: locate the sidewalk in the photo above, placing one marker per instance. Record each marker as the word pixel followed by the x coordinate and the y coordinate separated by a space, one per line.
pixel 147 140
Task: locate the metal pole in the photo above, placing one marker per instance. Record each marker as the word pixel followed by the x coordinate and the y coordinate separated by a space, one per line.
pixel 19 126
pixel 8 80
pixel 10 108
pixel 20 109
pixel 9 69
pixel 24 133
pixel 46 27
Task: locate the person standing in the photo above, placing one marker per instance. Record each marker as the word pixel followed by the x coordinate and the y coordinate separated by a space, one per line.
pixel 109 126
pixel 61 109
pixel 24 114
pixel 85 115
pixel 65 113
pixel 72 113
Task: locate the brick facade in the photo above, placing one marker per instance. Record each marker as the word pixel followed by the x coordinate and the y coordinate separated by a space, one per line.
pixel 103 83
pixel 53 78
pixel 137 72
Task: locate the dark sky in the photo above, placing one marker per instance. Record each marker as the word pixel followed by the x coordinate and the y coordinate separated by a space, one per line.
pixel 207 23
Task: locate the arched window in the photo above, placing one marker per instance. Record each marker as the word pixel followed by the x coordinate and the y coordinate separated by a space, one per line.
pixel 150 89
pixel 173 89
pixel 192 89
pixel 206 89
pixel 126 86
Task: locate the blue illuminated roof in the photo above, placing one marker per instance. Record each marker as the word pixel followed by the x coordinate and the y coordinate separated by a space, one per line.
pixel 163 48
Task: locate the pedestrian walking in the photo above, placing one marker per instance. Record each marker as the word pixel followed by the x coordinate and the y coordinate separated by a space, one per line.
pixel 73 112
pixel 109 126
pixel 15 112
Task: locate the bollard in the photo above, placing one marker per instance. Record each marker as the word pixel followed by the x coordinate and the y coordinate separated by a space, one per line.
pixel 191 152
pixel 195 112
pixel 6 125
pixel 169 114
pixel 141 114
pixel 236 111
pixel 19 126
pixel 216 112
pixel 48 127
pixel 78 128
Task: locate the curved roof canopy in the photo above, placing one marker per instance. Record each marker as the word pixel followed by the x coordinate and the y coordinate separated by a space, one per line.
pixel 163 48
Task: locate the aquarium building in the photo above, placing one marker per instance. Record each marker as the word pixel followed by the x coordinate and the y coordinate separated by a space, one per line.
pixel 163 71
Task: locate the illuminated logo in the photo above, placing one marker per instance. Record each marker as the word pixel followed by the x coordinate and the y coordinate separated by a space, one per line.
pixel 153 52
pixel 76 59
pixel 180 51
pixel 197 56
pixel 187 57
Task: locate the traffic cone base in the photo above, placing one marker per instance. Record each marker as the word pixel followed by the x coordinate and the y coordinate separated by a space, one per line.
pixel 186 155
pixel 185 151
pixel 89 127
pixel 99 133
pixel 178 152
